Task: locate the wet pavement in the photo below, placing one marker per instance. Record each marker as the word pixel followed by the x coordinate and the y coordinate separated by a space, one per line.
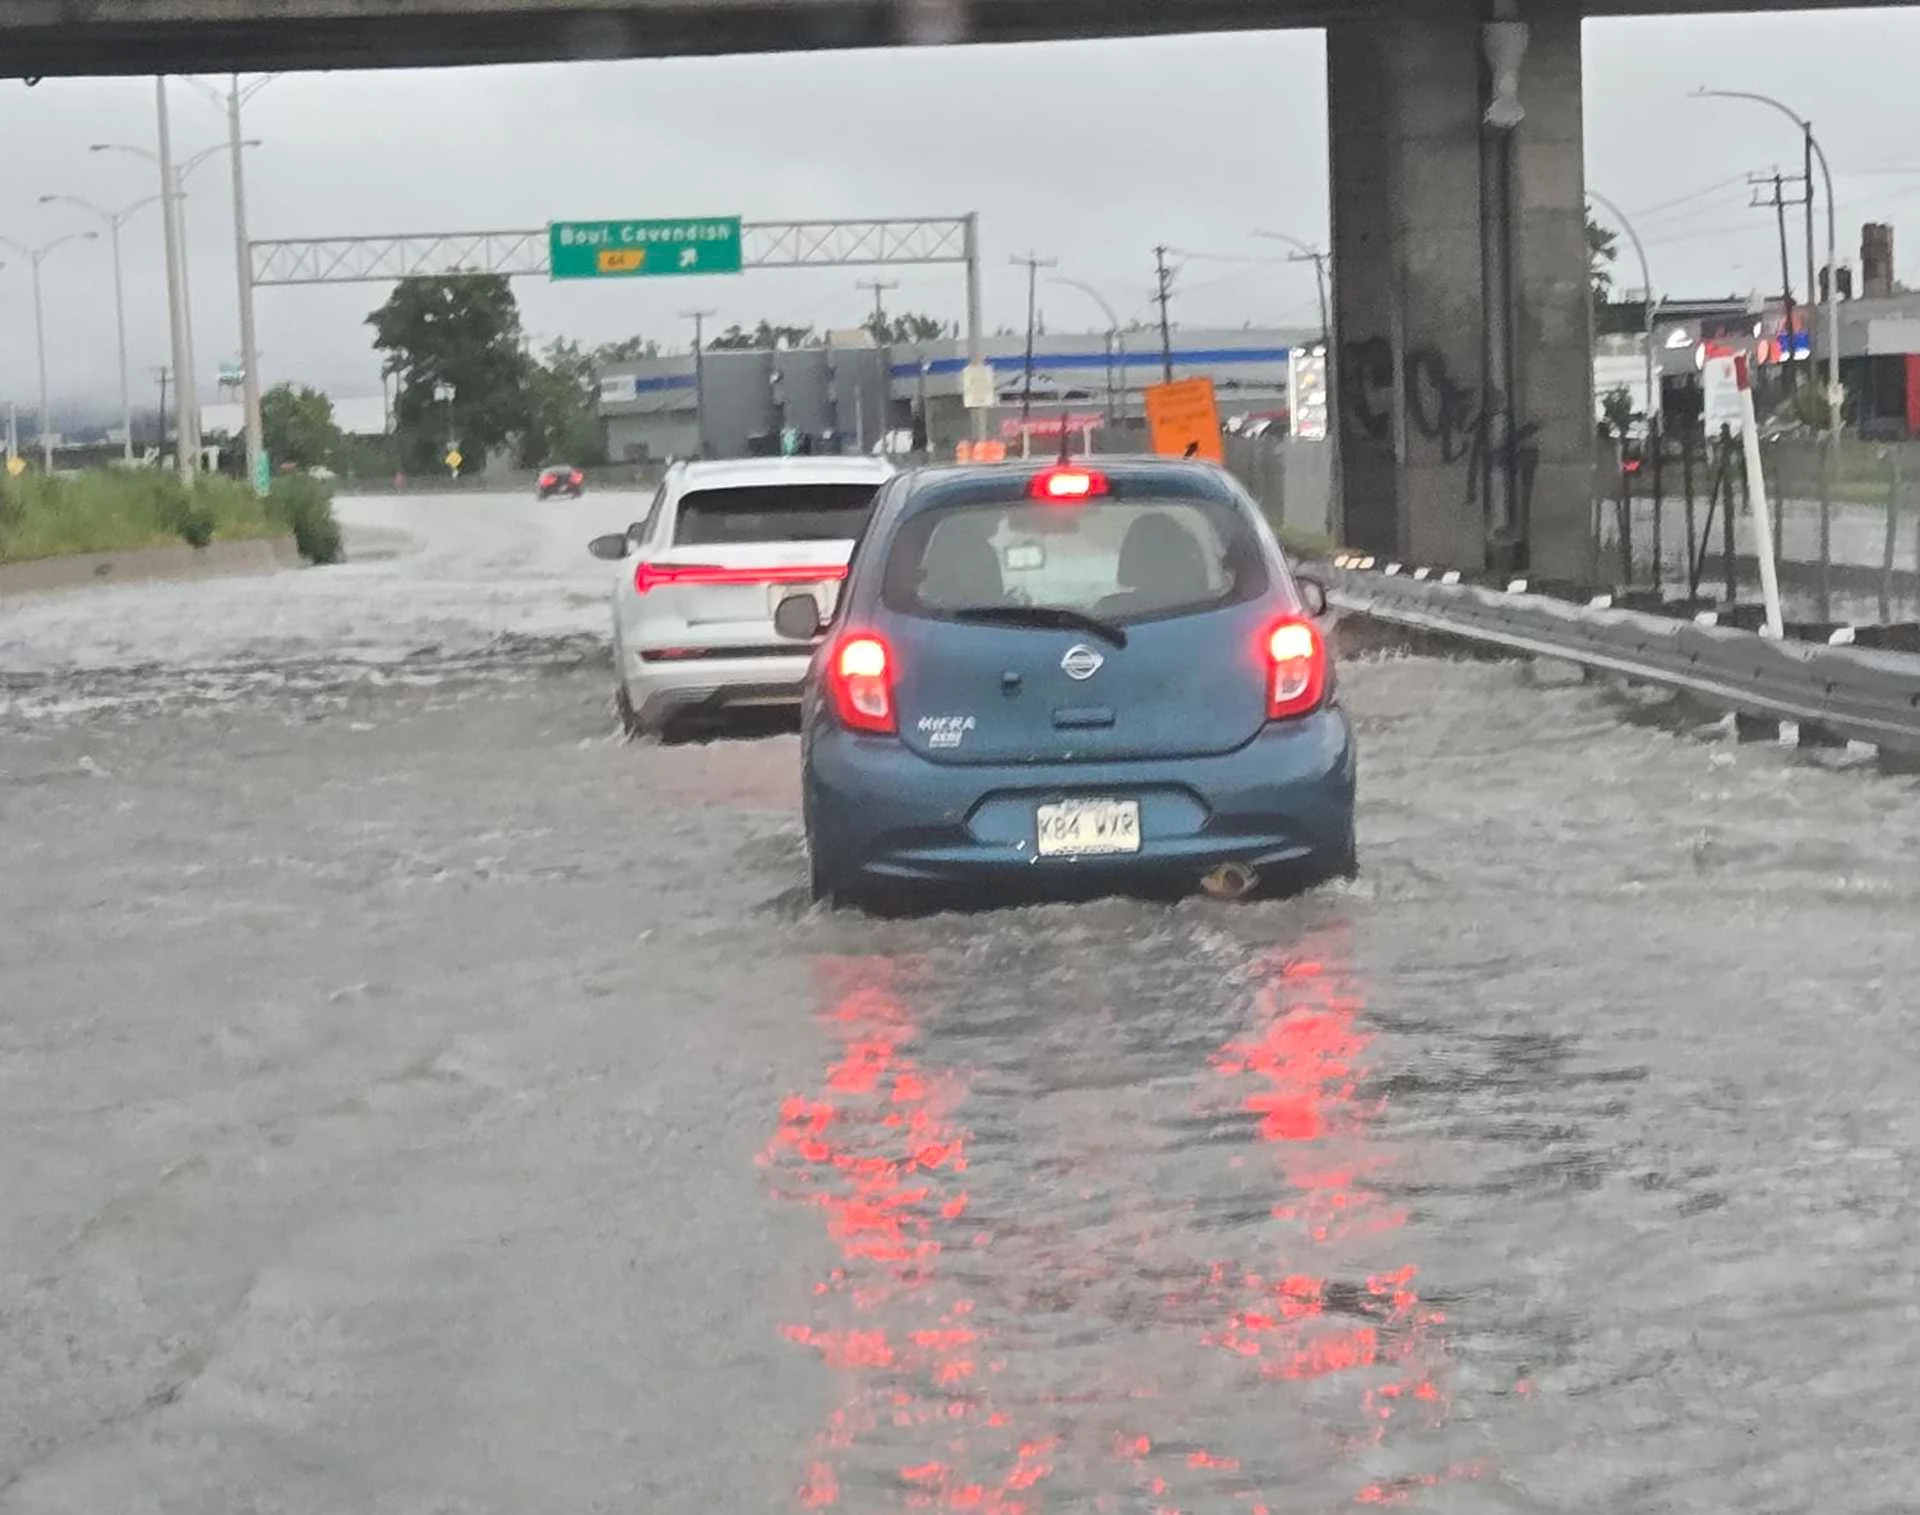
pixel 416 1099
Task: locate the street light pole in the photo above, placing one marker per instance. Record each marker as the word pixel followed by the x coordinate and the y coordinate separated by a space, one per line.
pixel 1115 341
pixel 1646 281
pixel 1829 323
pixel 699 319
pixel 114 221
pixel 234 98
pixel 36 256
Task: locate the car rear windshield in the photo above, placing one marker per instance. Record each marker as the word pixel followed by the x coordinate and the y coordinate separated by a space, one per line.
pixel 773 513
pixel 1118 560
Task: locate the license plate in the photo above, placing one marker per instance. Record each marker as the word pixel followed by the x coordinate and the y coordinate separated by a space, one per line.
pixel 1085 828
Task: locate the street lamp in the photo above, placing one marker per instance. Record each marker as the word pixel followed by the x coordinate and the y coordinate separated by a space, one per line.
pixel 114 220
pixel 37 255
pixel 234 98
pixel 179 282
pixel 1830 323
pixel 1115 341
pixel 1646 283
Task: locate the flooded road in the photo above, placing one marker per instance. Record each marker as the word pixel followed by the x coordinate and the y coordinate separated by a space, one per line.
pixel 417 1099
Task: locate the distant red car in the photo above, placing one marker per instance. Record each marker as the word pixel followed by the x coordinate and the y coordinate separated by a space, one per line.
pixel 561 479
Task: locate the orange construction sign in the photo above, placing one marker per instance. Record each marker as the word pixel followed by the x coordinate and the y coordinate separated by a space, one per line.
pixel 1184 419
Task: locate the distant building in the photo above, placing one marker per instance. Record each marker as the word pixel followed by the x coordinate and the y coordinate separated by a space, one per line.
pixel 847 394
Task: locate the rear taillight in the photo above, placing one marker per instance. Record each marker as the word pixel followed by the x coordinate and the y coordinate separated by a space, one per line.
pixel 1296 659
pixel 861 678
pixel 578 477
pixel 651 576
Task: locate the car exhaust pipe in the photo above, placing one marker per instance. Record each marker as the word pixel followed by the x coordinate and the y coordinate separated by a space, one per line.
pixel 1229 881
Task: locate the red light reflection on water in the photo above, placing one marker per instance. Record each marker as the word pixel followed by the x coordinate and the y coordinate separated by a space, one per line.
pixel 1301 1064
pixel 1332 1308
pixel 880 1154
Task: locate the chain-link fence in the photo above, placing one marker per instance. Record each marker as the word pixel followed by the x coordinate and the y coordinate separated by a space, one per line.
pixel 1678 518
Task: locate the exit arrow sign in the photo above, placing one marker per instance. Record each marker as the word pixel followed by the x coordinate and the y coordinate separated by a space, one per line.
pixel 643 249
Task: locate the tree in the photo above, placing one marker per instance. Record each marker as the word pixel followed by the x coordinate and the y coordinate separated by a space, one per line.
pixel 1603 247
pixel 766 334
pixel 563 416
pixel 905 331
pixel 461 330
pixel 297 427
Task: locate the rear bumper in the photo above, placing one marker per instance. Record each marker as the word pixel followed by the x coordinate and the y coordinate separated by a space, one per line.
pixel 663 690
pixel 878 813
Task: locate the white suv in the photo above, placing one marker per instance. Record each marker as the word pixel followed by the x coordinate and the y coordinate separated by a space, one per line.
pixel 722 544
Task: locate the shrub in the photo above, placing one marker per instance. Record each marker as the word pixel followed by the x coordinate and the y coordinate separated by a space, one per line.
pixel 121 510
pixel 306 506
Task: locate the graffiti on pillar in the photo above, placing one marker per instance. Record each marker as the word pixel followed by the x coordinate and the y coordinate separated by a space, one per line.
pixel 1366 387
pixel 1469 424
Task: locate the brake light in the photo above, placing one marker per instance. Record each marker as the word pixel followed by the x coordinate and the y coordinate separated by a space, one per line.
pixel 579 477
pixel 1297 669
pixel 650 576
pixel 1065 486
pixel 861 677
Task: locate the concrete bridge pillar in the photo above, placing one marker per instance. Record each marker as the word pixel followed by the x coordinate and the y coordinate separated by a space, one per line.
pixel 1462 308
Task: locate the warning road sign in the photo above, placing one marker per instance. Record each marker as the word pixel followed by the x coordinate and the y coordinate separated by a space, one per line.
pixel 1184 420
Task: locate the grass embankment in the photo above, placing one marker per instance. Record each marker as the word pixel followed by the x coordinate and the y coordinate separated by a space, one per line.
pixel 119 510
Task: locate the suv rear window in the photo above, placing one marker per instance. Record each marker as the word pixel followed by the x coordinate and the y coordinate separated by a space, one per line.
pixel 1119 560
pixel 774 513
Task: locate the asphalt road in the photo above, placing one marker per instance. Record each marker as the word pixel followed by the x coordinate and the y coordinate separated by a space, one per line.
pixel 415 1099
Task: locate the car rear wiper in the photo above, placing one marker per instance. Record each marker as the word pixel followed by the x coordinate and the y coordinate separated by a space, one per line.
pixel 1042 615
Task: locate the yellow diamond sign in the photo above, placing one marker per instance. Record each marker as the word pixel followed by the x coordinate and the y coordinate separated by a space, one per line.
pixel 16 465
pixel 454 460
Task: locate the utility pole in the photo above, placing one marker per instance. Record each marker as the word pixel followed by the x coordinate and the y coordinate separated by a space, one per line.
pixel 1162 289
pixel 879 288
pixel 1778 200
pixel 1033 265
pixel 699 319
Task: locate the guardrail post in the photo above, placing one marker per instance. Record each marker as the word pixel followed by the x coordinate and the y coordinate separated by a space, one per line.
pixel 1624 516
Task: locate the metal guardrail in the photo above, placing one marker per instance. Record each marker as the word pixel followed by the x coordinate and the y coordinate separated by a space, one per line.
pixel 1849 692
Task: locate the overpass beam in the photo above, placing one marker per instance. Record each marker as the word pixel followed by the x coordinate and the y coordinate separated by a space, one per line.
pixel 1463 312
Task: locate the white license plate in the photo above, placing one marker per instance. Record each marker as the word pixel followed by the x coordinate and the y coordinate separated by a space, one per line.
pixel 1086 828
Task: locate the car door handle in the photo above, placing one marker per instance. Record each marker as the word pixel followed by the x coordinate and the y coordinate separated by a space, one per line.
pixel 1082 717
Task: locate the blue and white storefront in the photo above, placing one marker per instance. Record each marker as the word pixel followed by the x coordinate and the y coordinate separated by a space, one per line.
pixel 852 395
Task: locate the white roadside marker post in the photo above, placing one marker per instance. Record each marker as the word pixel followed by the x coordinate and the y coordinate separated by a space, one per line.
pixel 1757 501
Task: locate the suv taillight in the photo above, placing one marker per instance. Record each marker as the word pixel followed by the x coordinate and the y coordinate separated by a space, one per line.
pixel 861 678
pixel 1296 659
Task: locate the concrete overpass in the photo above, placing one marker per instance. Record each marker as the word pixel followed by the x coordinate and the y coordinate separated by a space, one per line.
pixel 1462 312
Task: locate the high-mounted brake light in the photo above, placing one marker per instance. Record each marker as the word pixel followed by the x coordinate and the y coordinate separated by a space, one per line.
pixel 1066 485
pixel 861 678
pixel 1297 669
pixel 651 576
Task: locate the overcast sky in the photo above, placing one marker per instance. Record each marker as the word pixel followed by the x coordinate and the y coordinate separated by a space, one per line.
pixel 1054 145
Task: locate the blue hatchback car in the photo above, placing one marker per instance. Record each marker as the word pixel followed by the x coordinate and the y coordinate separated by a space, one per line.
pixel 1071 679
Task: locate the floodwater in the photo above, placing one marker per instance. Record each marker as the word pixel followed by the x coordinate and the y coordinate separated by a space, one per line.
pixel 416 1099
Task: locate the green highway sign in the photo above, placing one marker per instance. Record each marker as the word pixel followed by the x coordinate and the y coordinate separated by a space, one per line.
pixel 643 249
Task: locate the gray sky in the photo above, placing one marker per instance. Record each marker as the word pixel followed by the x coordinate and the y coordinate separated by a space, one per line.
pixel 1052 144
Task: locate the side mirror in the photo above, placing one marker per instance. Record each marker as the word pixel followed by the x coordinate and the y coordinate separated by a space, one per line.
pixel 1313 595
pixel 797 618
pixel 612 547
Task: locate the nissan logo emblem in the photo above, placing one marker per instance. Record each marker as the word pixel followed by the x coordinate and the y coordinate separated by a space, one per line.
pixel 1081 661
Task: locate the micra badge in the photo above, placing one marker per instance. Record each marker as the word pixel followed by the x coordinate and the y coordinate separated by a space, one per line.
pixel 945 730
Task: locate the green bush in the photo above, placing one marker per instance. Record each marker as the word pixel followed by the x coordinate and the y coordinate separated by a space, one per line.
pixel 305 505
pixel 121 510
